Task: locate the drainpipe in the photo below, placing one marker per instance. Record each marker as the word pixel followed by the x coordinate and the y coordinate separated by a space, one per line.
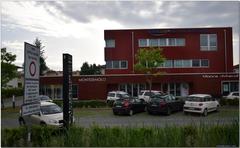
pixel 225 50
pixel 133 52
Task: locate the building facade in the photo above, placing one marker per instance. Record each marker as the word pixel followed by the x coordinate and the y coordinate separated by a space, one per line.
pixel 198 60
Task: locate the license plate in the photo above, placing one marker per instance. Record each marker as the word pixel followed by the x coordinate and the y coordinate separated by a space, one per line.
pixel 191 108
pixel 154 105
pixel 118 106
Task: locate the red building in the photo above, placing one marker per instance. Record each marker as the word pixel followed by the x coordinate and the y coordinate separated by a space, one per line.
pixel 198 60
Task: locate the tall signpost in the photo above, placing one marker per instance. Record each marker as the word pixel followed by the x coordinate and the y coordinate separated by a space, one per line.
pixel 67 90
pixel 31 104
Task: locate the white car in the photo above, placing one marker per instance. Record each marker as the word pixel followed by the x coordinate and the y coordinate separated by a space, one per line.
pixel 114 95
pixel 50 114
pixel 145 94
pixel 233 95
pixel 200 103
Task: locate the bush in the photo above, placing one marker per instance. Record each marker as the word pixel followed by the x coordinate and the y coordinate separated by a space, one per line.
pixel 234 102
pixel 9 92
pixel 169 136
pixel 85 103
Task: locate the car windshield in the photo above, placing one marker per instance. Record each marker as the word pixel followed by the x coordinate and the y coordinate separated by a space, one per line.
pixel 125 96
pixel 50 109
pixel 195 99
pixel 111 94
pixel 158 98
pixel 44 98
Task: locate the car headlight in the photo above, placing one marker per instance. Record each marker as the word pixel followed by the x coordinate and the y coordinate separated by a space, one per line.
pixel 53 121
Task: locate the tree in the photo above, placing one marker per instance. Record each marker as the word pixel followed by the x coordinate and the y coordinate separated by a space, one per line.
pixel 148 59
pixel 8 70
pixel 43 65
pixel 87 69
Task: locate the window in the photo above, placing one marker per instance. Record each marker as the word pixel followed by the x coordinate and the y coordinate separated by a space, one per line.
pixel 110 43
pixel 204 63
pixel 109 64
pixel 195 63
pixel 168 63
pixel 171 42
pixel 74 91
pixel 177 63
pixel 180 42
pixel 123 64
pixel 187 63
pixel 162 42
pixel 208 42
pixel 116 65
pixel 153 42
pixel 142 42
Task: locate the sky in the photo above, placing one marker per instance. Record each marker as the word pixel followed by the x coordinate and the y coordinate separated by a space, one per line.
pixel 77 27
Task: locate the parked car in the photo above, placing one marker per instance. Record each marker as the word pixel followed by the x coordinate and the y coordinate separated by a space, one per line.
pixel 145 94
pixel 164 104
pixel 114 95
pixel 128 106
pixel 200 103
pixel 45 98
pixel 233 95
pixel 50 114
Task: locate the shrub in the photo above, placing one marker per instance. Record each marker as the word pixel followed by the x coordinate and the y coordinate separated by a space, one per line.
pixel 85 103
pixel 231 102
pixel 169 136
pixel 9 92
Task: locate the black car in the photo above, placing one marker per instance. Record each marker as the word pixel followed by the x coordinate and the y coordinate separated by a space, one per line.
pixel 164 104
pixel 128 106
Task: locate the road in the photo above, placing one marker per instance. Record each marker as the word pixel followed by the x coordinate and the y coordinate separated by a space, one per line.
pixel 143 119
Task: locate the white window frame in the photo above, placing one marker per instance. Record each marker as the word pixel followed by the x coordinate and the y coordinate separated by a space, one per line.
pixel 208 47
pixel 112 46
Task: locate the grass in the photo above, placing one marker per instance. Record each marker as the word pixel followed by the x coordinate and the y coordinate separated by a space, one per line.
pixel 10 112
pixel 169 136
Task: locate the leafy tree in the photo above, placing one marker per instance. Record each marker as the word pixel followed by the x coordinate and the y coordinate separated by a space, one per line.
pixel 148 59
pixel 8 70
pixel 87 69
pixel 43 65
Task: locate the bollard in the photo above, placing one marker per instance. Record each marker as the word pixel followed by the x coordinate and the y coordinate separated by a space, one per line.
pixel 13 101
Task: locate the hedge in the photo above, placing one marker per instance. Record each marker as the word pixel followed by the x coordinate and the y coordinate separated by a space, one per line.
pixel 230 102
pixel 169 136
pixel 9 92
pixel 85 103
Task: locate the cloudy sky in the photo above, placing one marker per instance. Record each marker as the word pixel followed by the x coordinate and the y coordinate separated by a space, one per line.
pixel 77 27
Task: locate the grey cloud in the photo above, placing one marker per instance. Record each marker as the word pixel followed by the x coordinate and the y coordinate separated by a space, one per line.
pixel 172 14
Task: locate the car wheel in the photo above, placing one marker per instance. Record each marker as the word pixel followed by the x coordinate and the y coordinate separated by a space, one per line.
pixel 107 101
pixel 43 124
pixel 205 112
pixel 131 112
pixel 145 108
pixel 21 121
pixel 168 111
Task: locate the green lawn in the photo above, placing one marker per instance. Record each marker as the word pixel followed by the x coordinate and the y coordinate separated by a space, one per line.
pixel 107 112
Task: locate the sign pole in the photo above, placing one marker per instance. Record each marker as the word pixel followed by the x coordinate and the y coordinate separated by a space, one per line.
pixel 67 90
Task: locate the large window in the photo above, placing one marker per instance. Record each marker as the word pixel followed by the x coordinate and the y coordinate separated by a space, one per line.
pixel 185 63
pixel 142 42
pixel 110 43
pixel 208 42
pixel 161 42
pixel 153 42
pixel 116 64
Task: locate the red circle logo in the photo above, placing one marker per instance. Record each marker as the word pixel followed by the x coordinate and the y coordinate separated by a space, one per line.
pixel 32 69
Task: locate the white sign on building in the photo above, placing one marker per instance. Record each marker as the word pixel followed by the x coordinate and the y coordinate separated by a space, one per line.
pixel 31 79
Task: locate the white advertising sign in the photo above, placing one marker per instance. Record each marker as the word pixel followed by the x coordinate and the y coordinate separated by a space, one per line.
pixel 31 79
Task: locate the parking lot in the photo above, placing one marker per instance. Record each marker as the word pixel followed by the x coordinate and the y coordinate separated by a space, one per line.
pixel 104 117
